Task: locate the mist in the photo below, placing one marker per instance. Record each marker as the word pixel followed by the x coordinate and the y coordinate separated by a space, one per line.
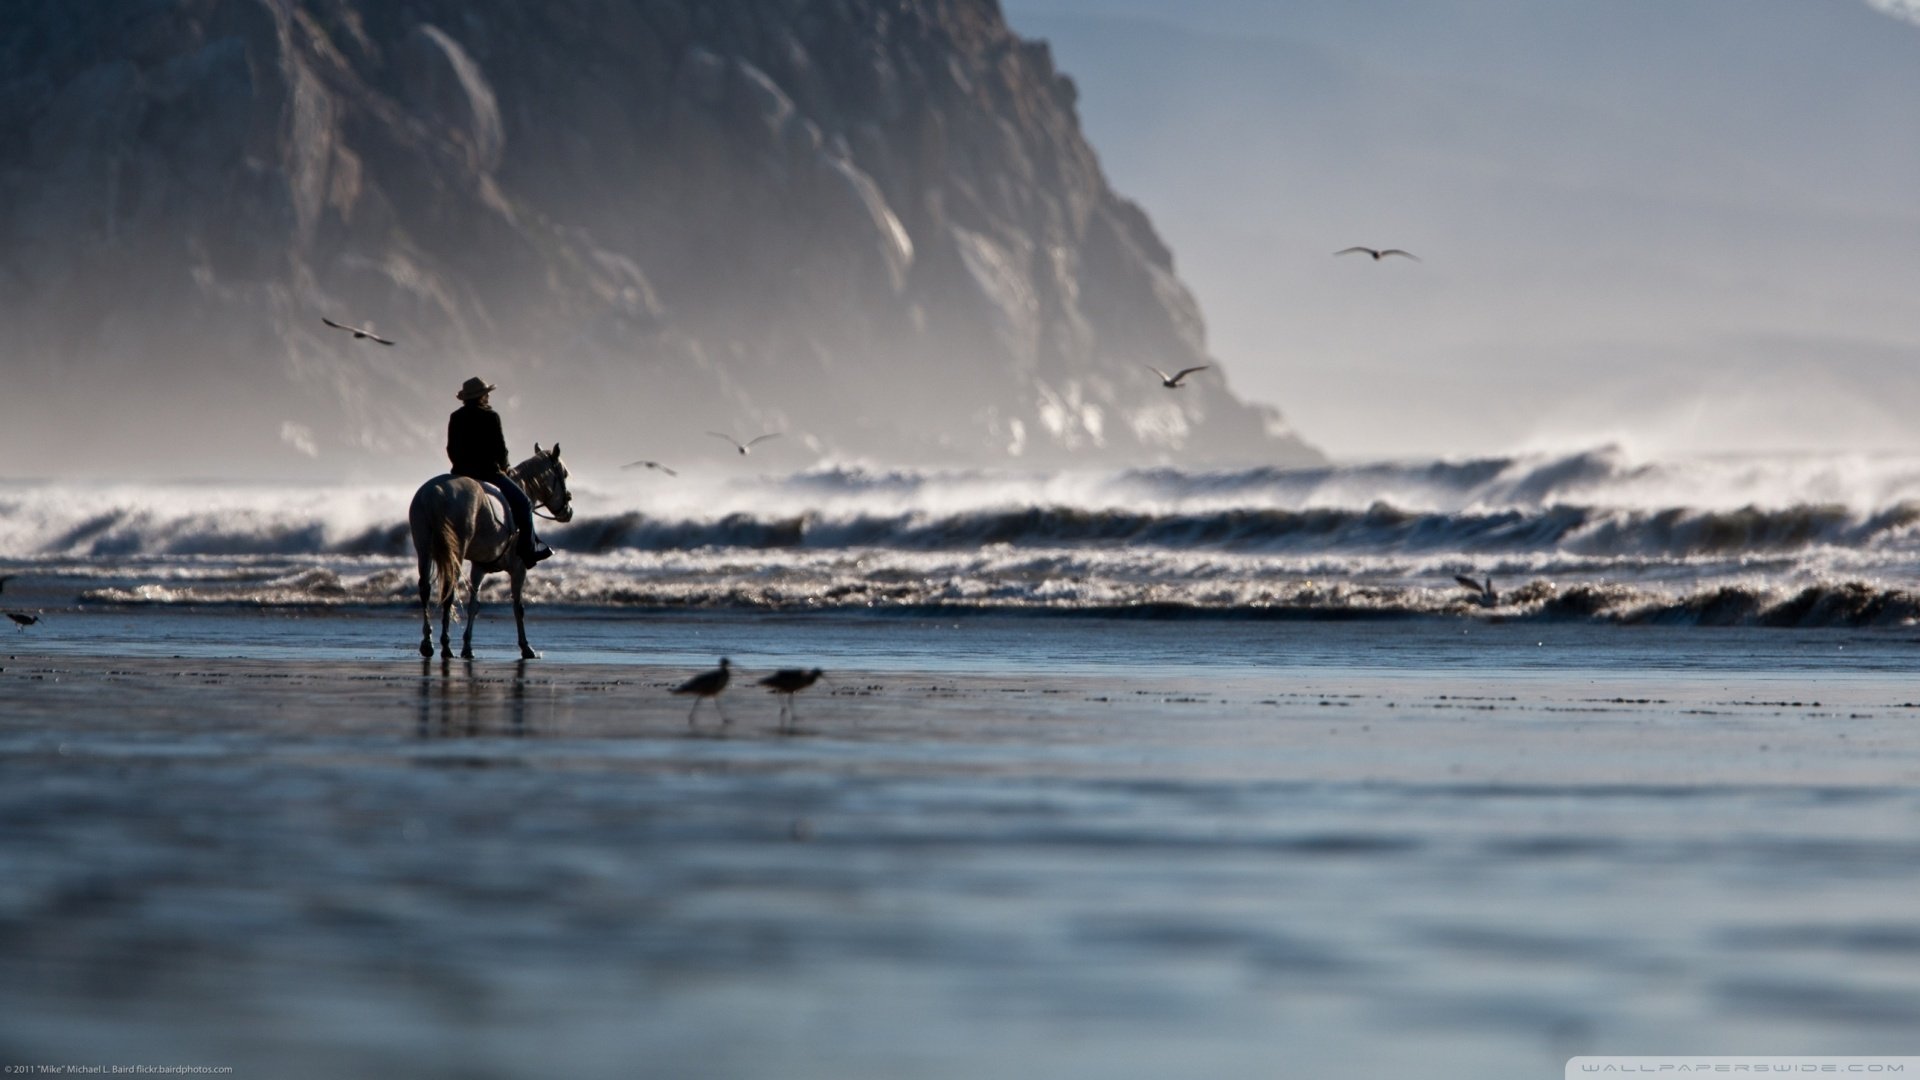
pixel 1681 227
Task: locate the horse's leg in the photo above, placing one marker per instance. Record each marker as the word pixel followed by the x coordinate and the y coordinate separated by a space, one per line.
pixel 473 612
pixel 518 576
pixel 446 617
pixel 446 620
pixel 426 608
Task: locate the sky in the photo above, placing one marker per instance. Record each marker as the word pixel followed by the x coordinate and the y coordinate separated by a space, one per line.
pixel 1679 226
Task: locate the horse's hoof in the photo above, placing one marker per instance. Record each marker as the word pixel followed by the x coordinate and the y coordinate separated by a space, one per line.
pixel 426 649
pixel 466 654
pixel 528 654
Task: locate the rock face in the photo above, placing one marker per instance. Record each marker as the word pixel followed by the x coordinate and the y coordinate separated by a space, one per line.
pixel 873 224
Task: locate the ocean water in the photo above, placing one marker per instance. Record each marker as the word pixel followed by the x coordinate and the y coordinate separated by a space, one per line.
pixel 991 844
pixel 1594 536
pixel 1138 774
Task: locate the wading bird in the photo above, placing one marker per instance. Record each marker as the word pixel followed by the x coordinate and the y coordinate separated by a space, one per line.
pixel 788 682
pixel 707 684
pixel 743 446
pixel 1172 382
pixel 356 331
pixel 23 621
pixel 1379 254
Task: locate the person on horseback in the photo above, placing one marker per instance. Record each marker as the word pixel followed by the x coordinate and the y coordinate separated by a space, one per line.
pixel 477 447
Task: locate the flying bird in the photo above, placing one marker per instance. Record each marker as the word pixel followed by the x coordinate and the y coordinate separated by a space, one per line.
pixel 23 621
pixel 650 465
pixel 355 331
pixel 790 681
pixel 1172 382
pixel 743 446
pixel 1379 254
pixel 707 684
pixel 1485 592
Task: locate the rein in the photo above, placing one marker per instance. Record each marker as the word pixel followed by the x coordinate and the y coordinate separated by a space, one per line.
pixel 539 510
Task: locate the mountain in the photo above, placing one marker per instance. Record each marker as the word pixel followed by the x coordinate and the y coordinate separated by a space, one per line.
pixel 874 224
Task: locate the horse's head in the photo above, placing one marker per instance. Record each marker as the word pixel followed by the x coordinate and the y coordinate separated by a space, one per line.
pixel 545 477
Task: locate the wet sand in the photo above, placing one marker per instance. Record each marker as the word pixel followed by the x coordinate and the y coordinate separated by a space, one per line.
pixel 326 867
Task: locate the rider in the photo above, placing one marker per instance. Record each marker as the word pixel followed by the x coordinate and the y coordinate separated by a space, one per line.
pixel 478 449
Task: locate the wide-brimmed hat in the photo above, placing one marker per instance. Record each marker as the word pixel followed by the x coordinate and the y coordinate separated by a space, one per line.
pixel 474 389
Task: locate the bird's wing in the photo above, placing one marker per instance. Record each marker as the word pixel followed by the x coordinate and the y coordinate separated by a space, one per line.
pixel 379 339
pixel 1184 372
pixel 1351 250
pixel 1397 251
pixel 1163 375
pixel 663 468
pixel 763 438
pixel 1468 582
pixel 729 438
pixel 335 325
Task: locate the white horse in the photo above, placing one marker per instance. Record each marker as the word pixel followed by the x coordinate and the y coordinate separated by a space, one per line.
pixel 456 519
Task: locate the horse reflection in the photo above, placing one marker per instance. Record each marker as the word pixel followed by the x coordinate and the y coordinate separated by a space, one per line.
pixel 468 704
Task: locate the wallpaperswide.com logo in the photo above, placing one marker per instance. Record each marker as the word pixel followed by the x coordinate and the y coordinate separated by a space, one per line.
pixel 1594 1068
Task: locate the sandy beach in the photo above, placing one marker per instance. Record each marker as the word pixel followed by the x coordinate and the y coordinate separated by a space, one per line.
pixel 358 864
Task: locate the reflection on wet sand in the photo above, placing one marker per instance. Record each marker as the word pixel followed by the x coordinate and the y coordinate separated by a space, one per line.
pixel 465 703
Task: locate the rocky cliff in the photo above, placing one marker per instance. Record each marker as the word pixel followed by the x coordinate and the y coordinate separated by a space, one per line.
pixel 873 224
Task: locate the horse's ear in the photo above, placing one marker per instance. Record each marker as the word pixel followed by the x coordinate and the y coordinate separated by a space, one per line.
pixel 555 452
pixel 537 451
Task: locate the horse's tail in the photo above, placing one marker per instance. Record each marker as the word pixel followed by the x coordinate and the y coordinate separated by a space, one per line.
pixel 446 564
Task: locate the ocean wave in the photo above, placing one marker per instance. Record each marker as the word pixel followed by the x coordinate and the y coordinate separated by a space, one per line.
pixel 1598 503
pixel 1671 533
pixel 1032 589
pixel 1676 533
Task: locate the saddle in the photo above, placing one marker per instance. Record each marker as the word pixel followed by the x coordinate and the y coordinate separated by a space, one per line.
pixel 502 514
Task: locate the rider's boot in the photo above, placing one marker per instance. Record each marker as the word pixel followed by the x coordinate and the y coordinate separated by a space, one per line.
pixel 532 550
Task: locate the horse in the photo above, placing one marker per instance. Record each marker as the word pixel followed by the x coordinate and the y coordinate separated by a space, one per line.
pixel 456 519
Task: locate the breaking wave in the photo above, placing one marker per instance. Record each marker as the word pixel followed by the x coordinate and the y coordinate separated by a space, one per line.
pixel 1802 541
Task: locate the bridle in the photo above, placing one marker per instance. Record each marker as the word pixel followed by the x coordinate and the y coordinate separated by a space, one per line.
pixel 538 477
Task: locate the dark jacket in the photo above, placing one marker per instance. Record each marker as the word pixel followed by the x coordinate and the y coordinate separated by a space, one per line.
pixel 475 444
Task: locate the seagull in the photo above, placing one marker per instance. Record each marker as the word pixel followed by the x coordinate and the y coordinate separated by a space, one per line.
pixel 1486 593
pixel 1379 254
pixel 707 684
pixel 1172 382
pixel 355 331
pixel 650 465
pixel 742 446
pixel 790 681
pixel 23 621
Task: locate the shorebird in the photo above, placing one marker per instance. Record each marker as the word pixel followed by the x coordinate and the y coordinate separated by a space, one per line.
pixel 707 684
pixel 790 681
pixel 1172 382
pixel 1379 254
pixel 23 621
pixel 355 331
pixel 1485 592
pixel 650 465
pixel 742 446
